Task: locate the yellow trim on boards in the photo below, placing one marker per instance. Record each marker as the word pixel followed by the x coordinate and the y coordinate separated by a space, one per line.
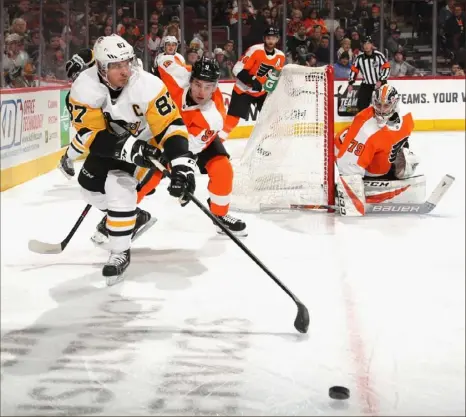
pixel 11 177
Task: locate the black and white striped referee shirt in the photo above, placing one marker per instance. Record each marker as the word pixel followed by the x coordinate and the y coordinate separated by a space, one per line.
pixel 373 68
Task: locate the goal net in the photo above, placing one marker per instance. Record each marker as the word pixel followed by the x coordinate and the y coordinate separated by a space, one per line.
pixel 288 159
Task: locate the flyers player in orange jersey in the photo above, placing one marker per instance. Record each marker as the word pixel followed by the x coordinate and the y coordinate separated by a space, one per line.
pixel 196 93
pixel 251 72
pixel 373 156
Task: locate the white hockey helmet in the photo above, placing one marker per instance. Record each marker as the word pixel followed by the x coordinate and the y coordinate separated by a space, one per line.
pixel 112 49
pixel 169 39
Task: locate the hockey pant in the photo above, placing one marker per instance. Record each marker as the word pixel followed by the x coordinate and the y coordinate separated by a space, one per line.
pixel 119 201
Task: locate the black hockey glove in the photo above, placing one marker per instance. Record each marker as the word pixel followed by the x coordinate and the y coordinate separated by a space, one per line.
pixel 182 178
pixel 136 151
pixel 256 85
pixel 74 67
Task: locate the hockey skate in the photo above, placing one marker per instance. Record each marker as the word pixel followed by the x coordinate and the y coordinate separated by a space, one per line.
pixel 236 226
pixel 114 269
pixel 66 166
pixel 144 221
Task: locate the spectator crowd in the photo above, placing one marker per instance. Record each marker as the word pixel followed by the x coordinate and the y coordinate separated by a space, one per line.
pixel 312 37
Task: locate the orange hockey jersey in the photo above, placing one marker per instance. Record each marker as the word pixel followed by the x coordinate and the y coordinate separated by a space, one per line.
pixel 201 120
pixel 257 63
pixel 365 148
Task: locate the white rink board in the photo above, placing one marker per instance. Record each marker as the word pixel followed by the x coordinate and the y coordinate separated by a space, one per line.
pixel 30 126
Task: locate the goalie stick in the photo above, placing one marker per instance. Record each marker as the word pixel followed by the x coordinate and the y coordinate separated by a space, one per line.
pixel 44 248
pixel 399 208
pixel 301 322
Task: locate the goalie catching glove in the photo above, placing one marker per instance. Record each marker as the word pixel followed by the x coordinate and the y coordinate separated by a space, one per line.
pixel 139 152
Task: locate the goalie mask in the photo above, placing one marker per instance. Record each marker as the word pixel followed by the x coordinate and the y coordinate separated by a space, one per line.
pixel 385 102
pixel 204 78
pixel 113 53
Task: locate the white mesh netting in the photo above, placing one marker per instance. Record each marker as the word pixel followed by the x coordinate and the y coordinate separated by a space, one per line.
pixel 285 159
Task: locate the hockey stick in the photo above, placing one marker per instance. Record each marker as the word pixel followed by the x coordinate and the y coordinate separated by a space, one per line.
pixel 301 322
pixel 54 248
pixel 399 208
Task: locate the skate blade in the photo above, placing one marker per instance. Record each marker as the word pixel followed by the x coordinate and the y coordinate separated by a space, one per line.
pixel 242 233
pixel 111 281
pixel 68 176
pixel 144 229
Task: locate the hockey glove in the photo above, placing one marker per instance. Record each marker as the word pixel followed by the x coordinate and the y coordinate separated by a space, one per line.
pixel 136 151
pixel 182 178
pixel 256 85
pixel 74 67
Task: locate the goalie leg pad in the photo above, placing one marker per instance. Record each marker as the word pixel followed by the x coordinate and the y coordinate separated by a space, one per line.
pixel 409 190
pixel 120 188
pixel 350 194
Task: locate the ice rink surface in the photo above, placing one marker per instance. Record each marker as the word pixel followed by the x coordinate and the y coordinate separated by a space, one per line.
pixel 198 329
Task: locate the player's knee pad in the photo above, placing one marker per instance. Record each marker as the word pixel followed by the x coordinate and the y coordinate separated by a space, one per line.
pixel 408 190
pixel 120 188
pixel 350 195
pixel 96 199
pixel 405 164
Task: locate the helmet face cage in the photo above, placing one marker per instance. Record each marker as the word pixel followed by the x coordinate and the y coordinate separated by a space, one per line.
pixel 385 100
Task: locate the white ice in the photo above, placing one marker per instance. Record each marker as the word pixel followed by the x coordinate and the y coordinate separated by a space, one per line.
pixel 198 329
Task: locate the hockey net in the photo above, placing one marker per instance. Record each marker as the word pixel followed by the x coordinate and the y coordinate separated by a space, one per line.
pixel 288 159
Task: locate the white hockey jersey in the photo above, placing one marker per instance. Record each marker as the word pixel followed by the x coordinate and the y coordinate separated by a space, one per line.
pixel 144 108
pixel 202 121
pixel 177 57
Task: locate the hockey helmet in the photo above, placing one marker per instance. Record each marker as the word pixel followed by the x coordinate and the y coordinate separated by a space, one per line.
pixel 206 69
pixel 112 49
pixel 385 101
pixel 271 31
pixel 170 39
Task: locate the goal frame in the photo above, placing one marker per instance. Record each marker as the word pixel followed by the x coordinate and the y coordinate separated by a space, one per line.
pixel 330 80
pixel 324 108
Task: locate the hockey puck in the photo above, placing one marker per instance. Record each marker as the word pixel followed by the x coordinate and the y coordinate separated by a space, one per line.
pixel 339 393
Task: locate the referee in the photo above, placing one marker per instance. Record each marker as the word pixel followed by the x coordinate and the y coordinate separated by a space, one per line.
pixel 375 70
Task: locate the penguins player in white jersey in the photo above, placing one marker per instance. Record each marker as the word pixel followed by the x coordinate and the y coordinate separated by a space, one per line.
pixel 123 116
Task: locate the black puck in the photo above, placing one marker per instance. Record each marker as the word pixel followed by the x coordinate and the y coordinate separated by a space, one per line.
pixel 339 393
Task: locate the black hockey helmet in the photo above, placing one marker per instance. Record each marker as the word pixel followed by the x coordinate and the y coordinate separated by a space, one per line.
pixel 271 31
pixel 206 69
pixel 368 39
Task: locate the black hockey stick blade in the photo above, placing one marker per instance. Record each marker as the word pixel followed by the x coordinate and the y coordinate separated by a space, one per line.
pixel 301 323
pixel 54 248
